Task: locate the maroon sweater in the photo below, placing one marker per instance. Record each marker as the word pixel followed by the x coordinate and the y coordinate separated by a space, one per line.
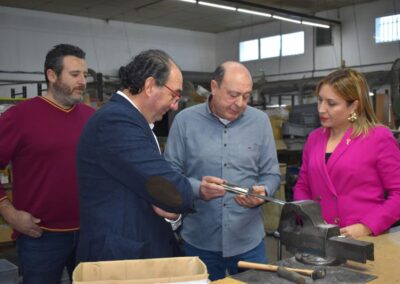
pixel 39 139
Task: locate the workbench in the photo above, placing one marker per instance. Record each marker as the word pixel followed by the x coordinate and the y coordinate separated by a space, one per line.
pixel 386 265
pixel 387 258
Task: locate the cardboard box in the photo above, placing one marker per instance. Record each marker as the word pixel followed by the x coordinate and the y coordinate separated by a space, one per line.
pixel 5 229
pixel 276 124
pixel 271 212
pixel 142 271
pixel 9 195
pixel 384 115
pixel 5 233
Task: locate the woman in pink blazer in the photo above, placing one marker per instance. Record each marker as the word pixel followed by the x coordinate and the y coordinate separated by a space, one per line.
pixel 351 165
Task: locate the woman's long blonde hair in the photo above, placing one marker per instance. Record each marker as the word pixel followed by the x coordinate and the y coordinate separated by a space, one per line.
pixel 351 85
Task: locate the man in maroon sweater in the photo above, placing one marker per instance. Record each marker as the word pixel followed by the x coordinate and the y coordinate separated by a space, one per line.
pixel 39 138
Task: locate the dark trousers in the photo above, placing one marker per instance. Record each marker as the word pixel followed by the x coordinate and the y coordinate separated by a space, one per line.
pixel 42 260
pixel 217 265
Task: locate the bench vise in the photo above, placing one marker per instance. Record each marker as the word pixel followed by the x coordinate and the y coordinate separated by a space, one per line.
pixel 304 233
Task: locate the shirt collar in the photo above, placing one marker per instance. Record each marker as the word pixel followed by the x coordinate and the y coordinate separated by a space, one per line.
pixel 135 106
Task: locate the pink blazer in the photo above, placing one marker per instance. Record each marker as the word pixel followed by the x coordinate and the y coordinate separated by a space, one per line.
pixel 351 186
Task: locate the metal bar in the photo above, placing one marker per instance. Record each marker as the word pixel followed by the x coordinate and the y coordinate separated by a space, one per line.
pixel 246 191
pixel 321 70
pixel 349 248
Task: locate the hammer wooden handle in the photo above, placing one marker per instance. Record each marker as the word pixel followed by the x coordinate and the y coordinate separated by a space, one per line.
pixel 269 267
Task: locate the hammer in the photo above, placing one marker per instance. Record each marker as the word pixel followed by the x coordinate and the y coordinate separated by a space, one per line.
pixel 314 274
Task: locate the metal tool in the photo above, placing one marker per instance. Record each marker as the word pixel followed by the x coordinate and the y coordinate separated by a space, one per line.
pixel 313 237
pixel 312 241
pixel 249 191
pixel 313 273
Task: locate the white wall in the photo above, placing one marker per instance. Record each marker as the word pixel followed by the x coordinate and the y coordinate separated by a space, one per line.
pixel 358 44
pixel 26 36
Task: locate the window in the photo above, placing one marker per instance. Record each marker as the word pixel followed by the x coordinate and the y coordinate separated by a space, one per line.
pixel 273 46
pixel 282 45
pixel 293 44
pixel 387 29
pixel 248 50
pixel 270 46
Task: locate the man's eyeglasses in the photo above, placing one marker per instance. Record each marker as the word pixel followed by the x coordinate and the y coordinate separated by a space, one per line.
pixel 175 94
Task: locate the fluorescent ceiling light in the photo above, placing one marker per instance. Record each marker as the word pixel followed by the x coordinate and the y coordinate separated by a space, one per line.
pixel 217 6
pixel 253 12
pixel 286 19
pixel 315 24
pixel 257 13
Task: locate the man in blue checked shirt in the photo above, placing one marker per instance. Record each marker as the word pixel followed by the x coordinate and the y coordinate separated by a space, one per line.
pixel 217 141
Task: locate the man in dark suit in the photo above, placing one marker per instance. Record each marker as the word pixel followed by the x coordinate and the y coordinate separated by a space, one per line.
pixel 125 185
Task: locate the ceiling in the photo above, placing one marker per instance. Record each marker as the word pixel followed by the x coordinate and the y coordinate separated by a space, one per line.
pixel 177 14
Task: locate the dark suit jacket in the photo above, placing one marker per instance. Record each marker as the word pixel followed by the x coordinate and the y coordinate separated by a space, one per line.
pixel 121 173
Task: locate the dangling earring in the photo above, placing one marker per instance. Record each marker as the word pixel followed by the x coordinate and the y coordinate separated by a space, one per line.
pixel 352 117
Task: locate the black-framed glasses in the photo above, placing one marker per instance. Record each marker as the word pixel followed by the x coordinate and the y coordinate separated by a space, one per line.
pixel 175 94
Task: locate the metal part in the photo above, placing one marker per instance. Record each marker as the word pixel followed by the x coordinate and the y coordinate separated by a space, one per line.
pixel 249 191
pixel 312 259
pixel 235 189
pixel 313 236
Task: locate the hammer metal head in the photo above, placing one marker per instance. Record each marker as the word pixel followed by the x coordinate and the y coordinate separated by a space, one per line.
pixel 318 274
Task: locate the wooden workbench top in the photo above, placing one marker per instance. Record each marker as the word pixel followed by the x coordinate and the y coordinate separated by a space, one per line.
pixel 387 258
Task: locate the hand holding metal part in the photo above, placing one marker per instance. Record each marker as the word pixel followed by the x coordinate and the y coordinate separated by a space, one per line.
pixel 249 201
pixel 249 191
pixel 210 188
